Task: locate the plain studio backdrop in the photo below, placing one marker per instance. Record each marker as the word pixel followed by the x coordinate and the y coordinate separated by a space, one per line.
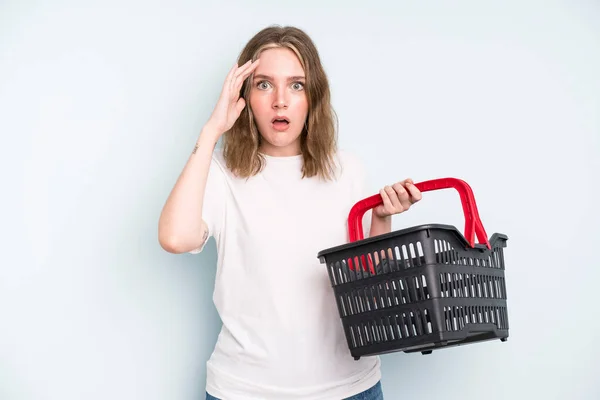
pixel 101 103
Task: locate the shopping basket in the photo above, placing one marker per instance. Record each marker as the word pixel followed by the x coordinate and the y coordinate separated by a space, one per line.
pixel 419 289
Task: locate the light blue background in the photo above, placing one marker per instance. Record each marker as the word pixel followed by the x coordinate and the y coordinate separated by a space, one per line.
pixel 101 103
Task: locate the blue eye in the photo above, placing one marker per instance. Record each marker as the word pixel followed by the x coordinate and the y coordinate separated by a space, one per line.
pixel 263 85
pixel 298 85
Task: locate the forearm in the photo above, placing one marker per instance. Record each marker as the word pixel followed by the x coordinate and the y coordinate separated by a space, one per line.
pixel 380 225
pixel 180 226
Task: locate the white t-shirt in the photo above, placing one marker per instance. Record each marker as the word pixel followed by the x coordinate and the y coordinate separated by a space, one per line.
pixel 282 337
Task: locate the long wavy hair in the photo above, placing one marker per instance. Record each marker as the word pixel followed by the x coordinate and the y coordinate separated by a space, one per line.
pixel 318 137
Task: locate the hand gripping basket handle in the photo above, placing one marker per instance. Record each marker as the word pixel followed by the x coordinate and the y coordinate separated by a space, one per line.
pixel 473 225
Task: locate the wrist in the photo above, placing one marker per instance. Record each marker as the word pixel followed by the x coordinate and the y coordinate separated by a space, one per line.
pixel 382 218
pixel 209 133
pixel 380 224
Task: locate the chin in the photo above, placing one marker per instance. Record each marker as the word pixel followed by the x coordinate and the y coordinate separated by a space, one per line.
pixel 282 140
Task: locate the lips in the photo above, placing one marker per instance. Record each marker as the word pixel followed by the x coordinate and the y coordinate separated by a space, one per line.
pixel 281 118
pixel 280 123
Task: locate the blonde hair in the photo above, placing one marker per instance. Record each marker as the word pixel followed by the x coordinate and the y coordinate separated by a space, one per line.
pixel 318 138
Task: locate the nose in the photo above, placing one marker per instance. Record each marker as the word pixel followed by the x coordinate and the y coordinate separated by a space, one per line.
pixel 280 100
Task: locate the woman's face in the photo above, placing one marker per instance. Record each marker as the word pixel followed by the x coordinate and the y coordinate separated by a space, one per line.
pixel 279 102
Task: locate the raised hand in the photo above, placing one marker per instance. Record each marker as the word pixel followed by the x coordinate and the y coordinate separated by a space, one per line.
pixel 230 104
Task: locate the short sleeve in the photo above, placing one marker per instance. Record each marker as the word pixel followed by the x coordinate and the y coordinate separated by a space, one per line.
pixel 214 204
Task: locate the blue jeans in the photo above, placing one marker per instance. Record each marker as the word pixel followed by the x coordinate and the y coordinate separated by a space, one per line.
pixel 373 393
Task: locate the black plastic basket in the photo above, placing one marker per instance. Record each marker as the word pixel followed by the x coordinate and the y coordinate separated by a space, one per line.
pixel 421 288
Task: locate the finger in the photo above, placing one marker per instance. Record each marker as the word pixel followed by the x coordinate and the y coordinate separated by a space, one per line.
pixel 241 70
pixel 237 72
pixel 231 72
pixel 414 191
pixel 403 195
pixel 394 197
pixel 239 106
pixel 226 91
pixel 387 202
pixel 394 200
pixel 251 68
pixel 240 76
pixel 239 79
pixel 229 79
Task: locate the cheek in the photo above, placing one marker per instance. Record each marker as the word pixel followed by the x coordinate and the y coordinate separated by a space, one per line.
pixel 298 101
pixel 260 105
pixel 302 106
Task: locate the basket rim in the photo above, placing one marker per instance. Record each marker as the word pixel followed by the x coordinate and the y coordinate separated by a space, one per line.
pixel 452 228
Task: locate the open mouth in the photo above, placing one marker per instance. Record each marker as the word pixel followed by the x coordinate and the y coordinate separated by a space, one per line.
pixel 280 123
pixel 280 120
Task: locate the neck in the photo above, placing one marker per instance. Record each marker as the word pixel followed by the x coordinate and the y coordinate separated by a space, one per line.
pixel 274 151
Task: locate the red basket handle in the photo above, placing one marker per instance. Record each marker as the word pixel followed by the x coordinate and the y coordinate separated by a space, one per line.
pixel 473 225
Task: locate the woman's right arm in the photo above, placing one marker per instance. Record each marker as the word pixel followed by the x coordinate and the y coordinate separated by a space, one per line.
pixel 181 227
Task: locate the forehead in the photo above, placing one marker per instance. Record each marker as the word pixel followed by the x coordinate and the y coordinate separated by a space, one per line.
pixel 279 61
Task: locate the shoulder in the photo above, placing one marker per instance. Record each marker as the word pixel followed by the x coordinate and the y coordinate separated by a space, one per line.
pixel 218 173
pixel 218 163
pixel 217 157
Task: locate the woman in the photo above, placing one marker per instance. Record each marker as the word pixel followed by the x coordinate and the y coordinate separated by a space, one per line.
pixel 276 194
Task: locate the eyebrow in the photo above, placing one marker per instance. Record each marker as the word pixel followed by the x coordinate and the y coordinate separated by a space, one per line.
pixel 270 78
